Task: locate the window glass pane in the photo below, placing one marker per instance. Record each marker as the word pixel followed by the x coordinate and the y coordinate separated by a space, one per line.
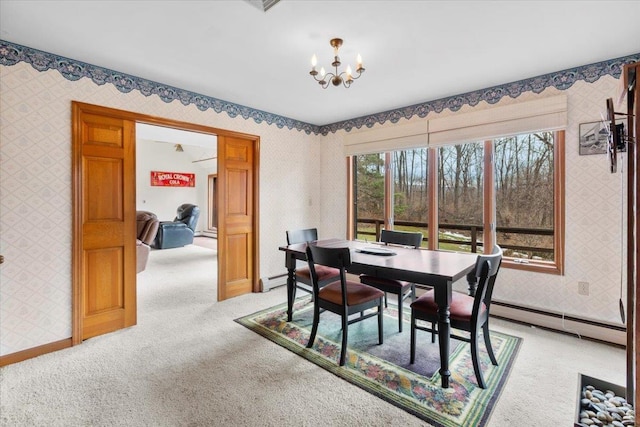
pixel 522 194
pixel 369 196
pixel 410 198
pixel 460 197
pixel 525 195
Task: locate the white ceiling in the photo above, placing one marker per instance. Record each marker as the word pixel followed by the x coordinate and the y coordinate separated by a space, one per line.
pixel 413 51
pixel 199 147
pixel 175 136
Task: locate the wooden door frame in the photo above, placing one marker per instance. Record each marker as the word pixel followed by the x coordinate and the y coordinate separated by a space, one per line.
pixel 77 197
pixel 212 202
pixel 633 235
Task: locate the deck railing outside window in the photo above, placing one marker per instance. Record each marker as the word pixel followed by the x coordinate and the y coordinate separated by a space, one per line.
pixel 468 238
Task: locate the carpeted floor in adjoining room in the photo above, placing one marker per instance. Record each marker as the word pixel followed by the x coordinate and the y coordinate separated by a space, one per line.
pixel 206 242
pixel 188 363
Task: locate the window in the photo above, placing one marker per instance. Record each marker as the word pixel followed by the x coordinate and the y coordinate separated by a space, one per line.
pixel 410 191
pixel 369 195
pixel 460 197
pixel 524 195
pixel 507 190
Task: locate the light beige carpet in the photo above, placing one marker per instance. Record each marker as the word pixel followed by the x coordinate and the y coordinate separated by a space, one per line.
pixel 188 363
pixel 206 242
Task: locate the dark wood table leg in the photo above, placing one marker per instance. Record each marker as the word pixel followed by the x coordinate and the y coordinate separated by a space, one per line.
pixel 290 289
pixel 290 262
pixel 443 298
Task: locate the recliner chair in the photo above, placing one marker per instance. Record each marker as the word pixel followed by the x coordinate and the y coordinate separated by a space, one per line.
pixel 146 231
pixel 180 231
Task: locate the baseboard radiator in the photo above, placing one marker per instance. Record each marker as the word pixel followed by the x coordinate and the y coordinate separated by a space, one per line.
pixel 268 283
pixel 598 331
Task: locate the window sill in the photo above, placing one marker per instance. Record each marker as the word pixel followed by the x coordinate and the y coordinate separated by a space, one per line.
pixel 534 266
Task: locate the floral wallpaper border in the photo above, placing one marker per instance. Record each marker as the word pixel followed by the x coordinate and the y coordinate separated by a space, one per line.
pixel 11 54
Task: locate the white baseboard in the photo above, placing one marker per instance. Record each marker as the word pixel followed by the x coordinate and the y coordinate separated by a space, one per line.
pixel 205 233
pixel 268 283
pixel 593 330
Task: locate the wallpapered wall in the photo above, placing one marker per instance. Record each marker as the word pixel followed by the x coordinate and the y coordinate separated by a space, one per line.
pixel 35 182
pixel 35 208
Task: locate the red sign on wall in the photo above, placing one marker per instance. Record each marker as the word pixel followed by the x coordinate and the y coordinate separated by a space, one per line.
pixel 172 179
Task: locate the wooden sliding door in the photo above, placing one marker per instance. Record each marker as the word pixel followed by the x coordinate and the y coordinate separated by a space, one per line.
pixel 104 222
pixel 237 241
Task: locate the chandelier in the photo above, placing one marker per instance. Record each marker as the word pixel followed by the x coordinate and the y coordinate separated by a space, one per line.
pixel 345 77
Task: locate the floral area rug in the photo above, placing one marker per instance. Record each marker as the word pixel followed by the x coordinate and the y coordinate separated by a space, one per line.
pixel 384 370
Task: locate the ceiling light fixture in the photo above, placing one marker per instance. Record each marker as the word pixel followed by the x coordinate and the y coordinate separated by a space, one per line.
pixel 345 77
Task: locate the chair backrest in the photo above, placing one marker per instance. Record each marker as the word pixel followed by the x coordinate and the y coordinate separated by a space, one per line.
pixel 404 238
pixel 188 214
pixel 331 257
pixel 146 226
pixel 302 236
pixel 494 258
pixel 486 281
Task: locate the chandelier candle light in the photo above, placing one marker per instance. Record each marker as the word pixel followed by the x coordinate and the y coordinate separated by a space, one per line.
pixel 344 77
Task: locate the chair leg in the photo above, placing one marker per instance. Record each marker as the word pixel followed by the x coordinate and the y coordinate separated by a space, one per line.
pixel 487 343
pixel 314 328
pixel 412 352
pixel 400 298
pixel 380 323
pixel 433 332
pixel 474 358
pixel 345 330
pixel 386 304
pixel 413 292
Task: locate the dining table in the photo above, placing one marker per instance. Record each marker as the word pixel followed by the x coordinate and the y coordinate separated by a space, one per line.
pixel 430 268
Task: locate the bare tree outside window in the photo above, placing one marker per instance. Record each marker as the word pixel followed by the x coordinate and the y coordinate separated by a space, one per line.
pixel 460 196
pixel 369 195
pixel 524 194
pixel 410 197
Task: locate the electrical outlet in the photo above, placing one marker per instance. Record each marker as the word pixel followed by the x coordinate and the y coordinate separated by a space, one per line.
pixel 583 288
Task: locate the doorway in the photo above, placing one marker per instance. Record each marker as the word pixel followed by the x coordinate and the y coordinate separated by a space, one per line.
pixel 167 152
pixel 163 154
pixel 103 271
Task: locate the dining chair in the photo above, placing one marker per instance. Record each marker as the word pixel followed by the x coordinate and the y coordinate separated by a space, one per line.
pixel 467 313
pixel 402 289
pixel 343 297
pixel 302 275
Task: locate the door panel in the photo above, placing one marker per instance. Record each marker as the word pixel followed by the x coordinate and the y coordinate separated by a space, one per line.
pixel 105 228
pixel 238 204
pixel 106 204
pixel 236 237
pixel 106 266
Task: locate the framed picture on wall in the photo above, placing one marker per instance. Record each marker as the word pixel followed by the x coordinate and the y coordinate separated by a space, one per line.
pixel 593 138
